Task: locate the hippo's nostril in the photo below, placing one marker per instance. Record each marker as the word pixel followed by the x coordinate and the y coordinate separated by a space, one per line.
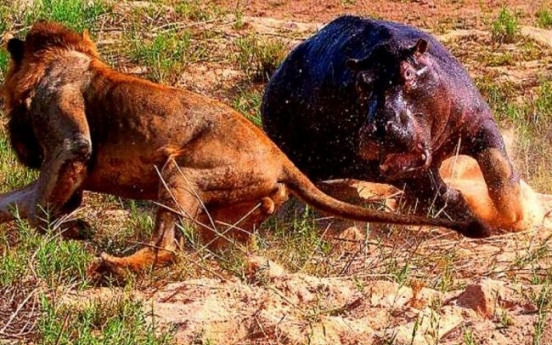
pixel 426 154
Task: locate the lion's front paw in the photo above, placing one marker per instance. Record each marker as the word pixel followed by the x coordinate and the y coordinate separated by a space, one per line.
pixel 124 267
pixel 108 269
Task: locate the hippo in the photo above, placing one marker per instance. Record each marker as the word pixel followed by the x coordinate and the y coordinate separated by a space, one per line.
pixel 386 102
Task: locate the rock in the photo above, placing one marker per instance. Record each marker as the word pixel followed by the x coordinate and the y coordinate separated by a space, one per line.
pixel 260 269
pixel 351 239
pixel 483 297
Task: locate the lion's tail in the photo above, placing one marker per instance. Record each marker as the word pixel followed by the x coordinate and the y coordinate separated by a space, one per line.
pixel 303 188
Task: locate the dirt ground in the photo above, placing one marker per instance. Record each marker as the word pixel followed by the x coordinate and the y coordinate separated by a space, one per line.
pixel 497 303
pixel 429 14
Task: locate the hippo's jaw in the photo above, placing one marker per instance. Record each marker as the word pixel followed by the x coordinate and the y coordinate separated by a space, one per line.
pixel 396 164
pixel 407 164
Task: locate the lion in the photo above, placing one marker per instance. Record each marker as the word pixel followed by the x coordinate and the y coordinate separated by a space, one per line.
pixel 87 127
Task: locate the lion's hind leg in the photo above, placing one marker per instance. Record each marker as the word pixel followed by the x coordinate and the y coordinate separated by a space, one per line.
pixel 158 253
pixel 177 201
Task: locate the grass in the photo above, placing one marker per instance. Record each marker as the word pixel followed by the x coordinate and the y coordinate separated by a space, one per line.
pixel 305 249
pixel 544 18
pixel 505 27
pixel 543 303
pixel 248 102
pixel 198 11
pixel 259 58
pixel 170 43
pixel 120 321
pixel 76 14
pixel 15 175
pixel 166 55
pixel 5 11
pixel 55 260
pixel 4 63
pixel 469 337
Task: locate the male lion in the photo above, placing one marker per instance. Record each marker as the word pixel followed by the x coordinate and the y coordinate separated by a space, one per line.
pixel 88 127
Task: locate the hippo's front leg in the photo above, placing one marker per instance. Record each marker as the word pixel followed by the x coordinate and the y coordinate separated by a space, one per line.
pixel 503 182
pixel 428 193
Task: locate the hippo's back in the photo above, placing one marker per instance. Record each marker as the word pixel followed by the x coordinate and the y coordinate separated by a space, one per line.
pixel 311 108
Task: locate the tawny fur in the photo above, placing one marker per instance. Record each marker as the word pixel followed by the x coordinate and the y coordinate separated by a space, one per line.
pixel 88 127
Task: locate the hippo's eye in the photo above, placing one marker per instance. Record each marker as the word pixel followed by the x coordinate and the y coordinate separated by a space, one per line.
pixel 366 78
pixel 364 83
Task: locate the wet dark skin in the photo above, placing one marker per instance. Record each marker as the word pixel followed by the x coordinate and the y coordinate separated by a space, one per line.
pixel 87 127
pixel 384 102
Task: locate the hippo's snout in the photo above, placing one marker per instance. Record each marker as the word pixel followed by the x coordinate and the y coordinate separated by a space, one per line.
pixel 398 133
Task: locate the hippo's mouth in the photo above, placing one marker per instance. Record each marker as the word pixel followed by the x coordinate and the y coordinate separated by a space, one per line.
pixel 406 163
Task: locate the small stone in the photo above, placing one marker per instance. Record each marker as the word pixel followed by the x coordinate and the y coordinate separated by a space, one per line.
pixel 482 297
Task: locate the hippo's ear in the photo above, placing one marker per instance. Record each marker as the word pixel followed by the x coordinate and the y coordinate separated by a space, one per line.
pixel 380 53
pixel 420 47
pixel 364 76
pixel 16 47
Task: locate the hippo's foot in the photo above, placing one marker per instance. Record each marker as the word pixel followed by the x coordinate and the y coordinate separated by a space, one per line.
pixel 451 205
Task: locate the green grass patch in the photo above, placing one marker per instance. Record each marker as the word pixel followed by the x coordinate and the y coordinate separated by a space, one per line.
pixel 5 18
pixel 259 58
pixel 529 114
pixel 120 321
pixel 506 59
pixel 61 262
pixel 76 14
pixel 529 50
pixel 166 55
pixel 14 175
pixel 248 102
pixel 296 242
pixel 505 27
pixel 543 303
pixel 499 97
pixel 4 64
pixel 543 103
pixel 47 257
pixel 198 11
pixel 544 18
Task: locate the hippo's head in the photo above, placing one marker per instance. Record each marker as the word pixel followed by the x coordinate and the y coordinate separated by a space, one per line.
pixel 399 90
